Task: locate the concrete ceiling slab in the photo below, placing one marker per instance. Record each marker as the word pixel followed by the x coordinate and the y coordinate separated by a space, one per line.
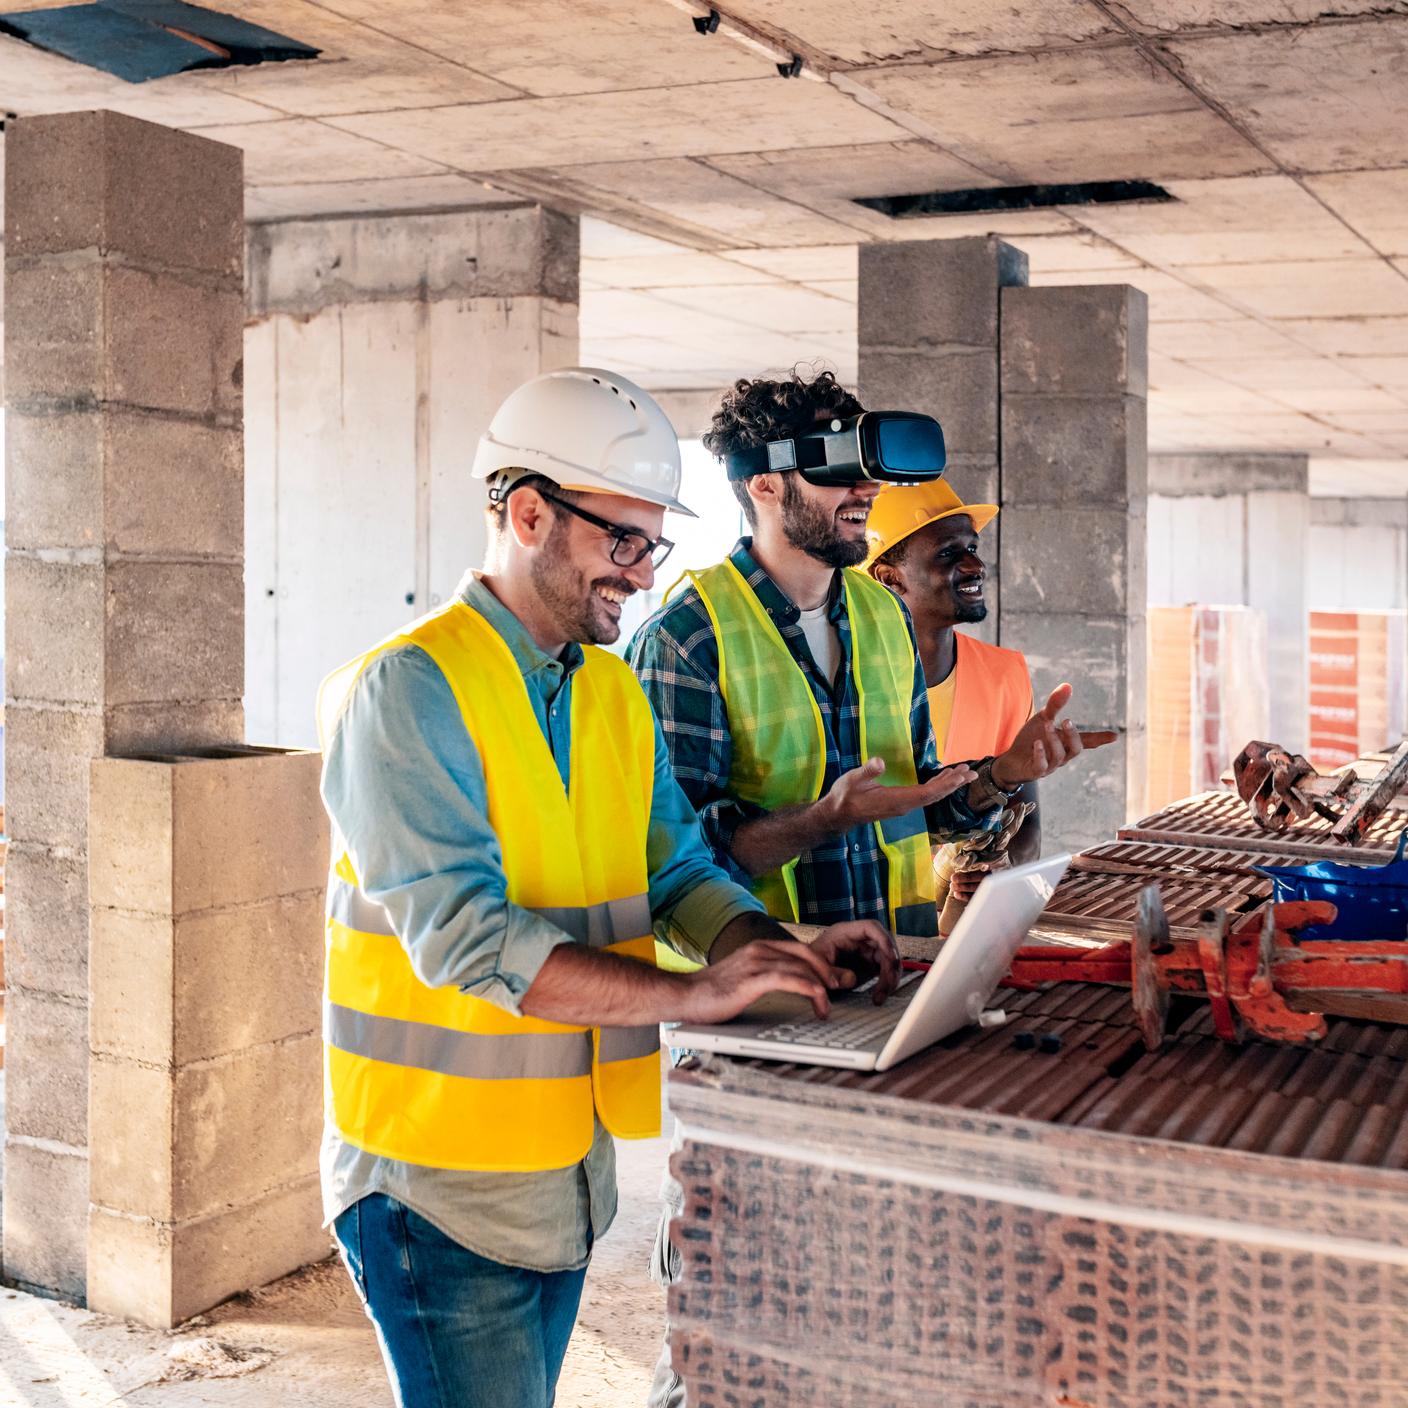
pixel 1331 401
pixel 1239 341
pixel 718 207
pixel 684 269
pixel 1375 203
pixel 1091 114
pixel 1074 253
pixel 1383 371
pixel 602 239
pixel 362 68
pixel 889 31
pixel 826 179
pixel 1318 98
pixel 1285 430
pixel 394 194
pixel 543 48
pixel 1171 300
pixel 705 119
pixel 298 151
pixel 1173 16
pixel 1311 288
pixel 1236 220
pixel 1350 337
pixel 787 308
pixel 34 82
pixel 828 263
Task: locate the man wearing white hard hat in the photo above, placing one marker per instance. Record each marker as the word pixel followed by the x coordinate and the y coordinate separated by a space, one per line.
pixel 507 832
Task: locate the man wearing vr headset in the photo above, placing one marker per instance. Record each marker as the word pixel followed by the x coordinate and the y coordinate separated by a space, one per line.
pixel 789 687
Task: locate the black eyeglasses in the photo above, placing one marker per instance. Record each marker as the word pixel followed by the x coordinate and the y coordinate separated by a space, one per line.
pixel 631 545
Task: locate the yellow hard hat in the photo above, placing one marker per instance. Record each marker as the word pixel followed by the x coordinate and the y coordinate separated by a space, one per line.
pixel 902 509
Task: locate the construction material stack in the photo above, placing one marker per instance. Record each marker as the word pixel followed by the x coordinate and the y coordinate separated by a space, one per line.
pixel 1176 1175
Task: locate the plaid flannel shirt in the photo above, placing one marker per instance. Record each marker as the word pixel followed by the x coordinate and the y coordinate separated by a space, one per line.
pixel 676 658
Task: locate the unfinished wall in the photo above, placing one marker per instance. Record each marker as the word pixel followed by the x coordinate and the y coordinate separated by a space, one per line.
pixel 124 630
pixel 377 351
pixel 207 878
pixel 1233 529
pixel 1358 555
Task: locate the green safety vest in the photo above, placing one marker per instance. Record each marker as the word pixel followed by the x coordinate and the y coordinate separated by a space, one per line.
pixel 779 742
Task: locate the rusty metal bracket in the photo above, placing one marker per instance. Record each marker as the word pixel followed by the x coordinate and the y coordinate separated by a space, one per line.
pixel 1281 788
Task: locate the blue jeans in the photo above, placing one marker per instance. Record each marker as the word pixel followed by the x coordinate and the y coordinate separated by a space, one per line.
pixel 456 1329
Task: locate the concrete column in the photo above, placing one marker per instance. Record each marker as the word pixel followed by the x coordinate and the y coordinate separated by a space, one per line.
pixel 206 887
pixel 929 330
pixel 1073 484
pixel 1233 529
pixel 124 621
pixel 378 349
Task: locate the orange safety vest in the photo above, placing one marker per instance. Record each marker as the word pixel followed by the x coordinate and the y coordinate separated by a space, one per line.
pixel 992 699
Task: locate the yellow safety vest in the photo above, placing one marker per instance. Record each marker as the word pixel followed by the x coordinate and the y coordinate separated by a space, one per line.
pixel 779 741
pixel 432 1076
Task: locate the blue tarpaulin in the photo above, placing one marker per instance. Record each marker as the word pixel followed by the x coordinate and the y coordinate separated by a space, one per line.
pixel 1372 900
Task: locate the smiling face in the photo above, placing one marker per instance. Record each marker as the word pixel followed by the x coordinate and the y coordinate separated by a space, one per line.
pixel 940 574
pixel 577 582
pixel 827 522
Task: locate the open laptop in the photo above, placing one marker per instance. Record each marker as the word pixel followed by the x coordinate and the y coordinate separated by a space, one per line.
pixel 953 993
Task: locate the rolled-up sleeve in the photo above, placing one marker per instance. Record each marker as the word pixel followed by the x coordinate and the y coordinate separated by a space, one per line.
pixel 405 788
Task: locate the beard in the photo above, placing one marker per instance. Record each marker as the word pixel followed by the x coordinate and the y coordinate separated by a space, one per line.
pixel 811 529
pixel 578 612
pixel 969 611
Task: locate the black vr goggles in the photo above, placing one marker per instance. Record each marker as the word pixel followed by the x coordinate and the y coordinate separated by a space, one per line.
pixel 892 447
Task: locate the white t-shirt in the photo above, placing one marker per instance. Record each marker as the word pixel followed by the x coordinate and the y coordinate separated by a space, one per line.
pixel 824 642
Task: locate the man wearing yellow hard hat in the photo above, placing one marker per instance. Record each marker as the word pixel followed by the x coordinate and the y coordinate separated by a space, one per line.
pixel 923 543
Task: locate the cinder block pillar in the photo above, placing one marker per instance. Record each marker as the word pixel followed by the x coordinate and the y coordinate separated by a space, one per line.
pixel 207 878
pixel 124 594
pixel 1253 512
pixel 929 331
pixel 1074 483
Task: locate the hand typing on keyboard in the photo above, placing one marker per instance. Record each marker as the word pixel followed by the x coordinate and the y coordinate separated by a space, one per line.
pixel 865 948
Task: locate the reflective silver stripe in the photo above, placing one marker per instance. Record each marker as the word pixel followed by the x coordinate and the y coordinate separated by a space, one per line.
pixel 595 924
pixel 349 906
pixel 611 922
pixel 535 1056
pixel 900 828
pixel 627 1043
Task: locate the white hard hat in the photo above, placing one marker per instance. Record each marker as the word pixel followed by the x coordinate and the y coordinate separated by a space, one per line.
pixel 585 428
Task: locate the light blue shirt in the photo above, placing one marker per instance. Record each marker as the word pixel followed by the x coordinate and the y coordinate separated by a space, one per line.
pixel 405 788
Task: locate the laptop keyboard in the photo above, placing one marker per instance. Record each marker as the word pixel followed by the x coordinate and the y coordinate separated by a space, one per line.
pixel 855 1023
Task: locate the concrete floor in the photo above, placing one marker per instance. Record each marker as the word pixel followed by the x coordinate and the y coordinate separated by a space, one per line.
pixel 305 1341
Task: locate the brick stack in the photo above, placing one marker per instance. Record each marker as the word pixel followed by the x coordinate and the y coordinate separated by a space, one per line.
pixel 993 1228
pixel 1357 683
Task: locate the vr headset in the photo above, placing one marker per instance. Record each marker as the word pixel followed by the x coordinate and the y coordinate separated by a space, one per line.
pixel 891 447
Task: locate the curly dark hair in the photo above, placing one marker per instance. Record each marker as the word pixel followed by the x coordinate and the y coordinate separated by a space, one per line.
pixel 754 412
